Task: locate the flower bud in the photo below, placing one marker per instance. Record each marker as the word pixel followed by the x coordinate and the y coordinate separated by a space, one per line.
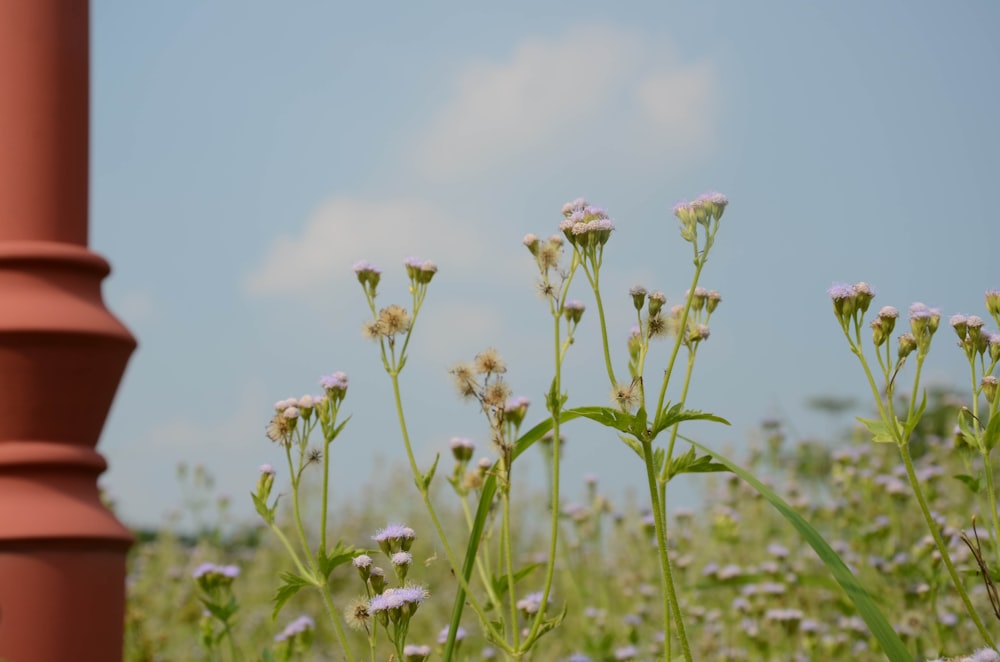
pixel 638 293
pixel 376 577
pixel 573 310
pixel 265 481
pixel 907 343
pixel 714 299
pixel 993 302
pixel 363 563
pixel 656 302
pixel 878 331
pixel 863 295
pixel 531 242
pixel 960 324
pixel 462 449
pixel 989 384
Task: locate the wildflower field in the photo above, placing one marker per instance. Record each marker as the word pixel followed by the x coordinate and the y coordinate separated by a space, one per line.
pixel 878 542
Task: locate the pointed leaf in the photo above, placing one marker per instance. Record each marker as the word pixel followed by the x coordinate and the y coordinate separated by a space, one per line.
pixel 912 421
pixel 972 483
pixel 890 642
pixel 992 434
pixel 671 415
pixel 429 476
pixel 292 584
pixel 337 556
pixel 500 583
pixel 881 432
pixel 608 417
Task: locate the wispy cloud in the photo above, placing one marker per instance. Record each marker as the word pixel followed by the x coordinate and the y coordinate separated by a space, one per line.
pixel 345 230
pixel 592 83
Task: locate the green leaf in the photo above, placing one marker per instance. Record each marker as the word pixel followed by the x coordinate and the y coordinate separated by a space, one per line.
pixel 222 613
pixel 690 462
pixel 608 417
pixel 880 628
pixel 992 434
pixel 426 479
pixel 261 507
pixel 634 444
pixel 881 432
pixel 486 495
pixel 912 421
pixel 339 555
pixel 500 583
pixel 968 434
pixel 292 584
pixel 974 484
pixel 671 415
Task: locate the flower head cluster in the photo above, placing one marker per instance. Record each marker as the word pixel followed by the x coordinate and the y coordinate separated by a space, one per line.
pixel 397 604
pixel 701 211
pixel 368 275
pixel 302 627
pixel 394 538
pixel 530 604
pixel 211 576
pixel 547 253
pixel 416 653
pixel 335 385
pixel 586 225
pixel 419 271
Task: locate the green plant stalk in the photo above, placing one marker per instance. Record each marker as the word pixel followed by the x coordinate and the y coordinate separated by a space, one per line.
pixel 985 453
pixel 560 352
pixel 665 472
pixel 670 604
pixel 297 512
pixel 456 569
pixel 508 554
pixel 595 284
pixel 481 563
pixel 341 635
pixel 904 450
pixel 699 265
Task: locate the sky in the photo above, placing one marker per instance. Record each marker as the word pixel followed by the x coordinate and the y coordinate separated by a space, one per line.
pixel 245 154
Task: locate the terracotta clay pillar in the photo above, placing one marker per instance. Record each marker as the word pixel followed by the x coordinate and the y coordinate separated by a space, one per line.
pixel 62 354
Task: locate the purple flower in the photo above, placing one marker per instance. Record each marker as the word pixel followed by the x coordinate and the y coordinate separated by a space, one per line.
pixel 337 380
pixel 362 561
pixel 919 311
pixel 841 291
pixel 443 635
pixel 363 266
pixel 296 627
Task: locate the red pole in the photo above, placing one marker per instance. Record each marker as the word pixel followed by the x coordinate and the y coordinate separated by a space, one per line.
pixel 62 354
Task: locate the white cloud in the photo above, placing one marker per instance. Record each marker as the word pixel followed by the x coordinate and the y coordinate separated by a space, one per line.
pixel 590 82
pixel 345 230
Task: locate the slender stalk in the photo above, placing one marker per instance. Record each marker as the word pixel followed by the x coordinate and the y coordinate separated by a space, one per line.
pixel 508 553
pixel 341 635
pixel 670 604
pixel 456 568
pixel 904 451
pixel 699 265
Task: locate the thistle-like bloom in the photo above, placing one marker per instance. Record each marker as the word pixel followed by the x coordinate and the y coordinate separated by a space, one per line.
pixel 989 386
pixel 489 361
pixel 638 294
pixel 265 481
pixel 625 396
pixel 714 299
pixel 335 385
pixel 515 409
pixel 626 653
pixel 656 302
pixel 842 295
pixel 531 242
pixel 993 302
pixel 443 634
pixel 299 626
pixel 573 310
pixel 462 449
pixel 415 653
pixel 586 225
pixel 994 346
pixel 530 604
pixel 368 275
pixel 394 537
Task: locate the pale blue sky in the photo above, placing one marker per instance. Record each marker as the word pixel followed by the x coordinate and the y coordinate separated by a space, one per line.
pixel 245 153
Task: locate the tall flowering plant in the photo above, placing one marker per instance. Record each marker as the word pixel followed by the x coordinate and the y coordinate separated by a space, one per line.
pixel 978 425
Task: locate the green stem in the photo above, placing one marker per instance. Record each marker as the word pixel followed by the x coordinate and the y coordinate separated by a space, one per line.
pixel 904 450
pixel 508 553
pixel 670 604
pixel 341 635
pixel 699 265
pixel 455 567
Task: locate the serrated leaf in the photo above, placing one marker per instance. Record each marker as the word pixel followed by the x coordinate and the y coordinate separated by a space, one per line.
pixel 337 556
pixel 631 443
pixel 879 626
pixel 292 584
pixel 881 432
pixel 608 417
pixel 974 484
pixel 671 415
pixel 221 613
